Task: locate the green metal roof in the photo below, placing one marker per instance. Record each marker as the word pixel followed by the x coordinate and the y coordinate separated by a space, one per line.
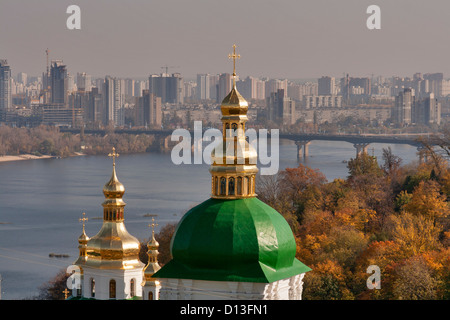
pixel 233 240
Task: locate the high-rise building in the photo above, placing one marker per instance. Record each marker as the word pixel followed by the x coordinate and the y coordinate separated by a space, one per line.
pixel 249 88
pixel 435 83
pixel 203 87
pixel 84 82
pixel 5 87
pixel 95 107
pixel 223 86
pixel 213 82
pixel 129 87
pixel 404 108
pixel 355 87
pixel 190 90
pixel 113 102
pixel 168 88
pixel 151 110
pixel 260 90
pixel 298 91
pixel 273 85
pixel 139 86
pixel 427 111
pixel 326 86
pixel 22 77
pixel 58 82
pixel 280 108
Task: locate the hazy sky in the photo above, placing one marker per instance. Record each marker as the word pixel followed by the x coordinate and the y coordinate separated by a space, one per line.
pixel 276 38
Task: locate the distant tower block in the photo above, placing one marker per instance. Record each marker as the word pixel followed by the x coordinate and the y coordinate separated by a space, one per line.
pixel 361 148
pixel 302 149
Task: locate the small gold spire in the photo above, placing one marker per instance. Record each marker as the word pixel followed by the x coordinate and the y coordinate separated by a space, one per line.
pixel 234 56
pixel 114 189
pixel 152 252
pixel 114 155
pixel 153 225
pixel 83 220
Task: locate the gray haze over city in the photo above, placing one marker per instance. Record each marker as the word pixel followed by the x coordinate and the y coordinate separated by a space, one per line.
pixel 284 38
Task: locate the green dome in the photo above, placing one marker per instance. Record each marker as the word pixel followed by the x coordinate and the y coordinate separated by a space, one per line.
pixel 233 240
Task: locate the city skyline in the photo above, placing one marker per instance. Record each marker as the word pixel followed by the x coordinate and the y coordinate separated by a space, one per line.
pixel 285 39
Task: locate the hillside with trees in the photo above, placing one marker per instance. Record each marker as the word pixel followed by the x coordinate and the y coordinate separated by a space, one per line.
pixel 391 215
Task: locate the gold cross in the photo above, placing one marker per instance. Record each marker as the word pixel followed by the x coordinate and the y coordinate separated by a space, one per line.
pixel 66 292
pixel 114 155
pixel 153 225
pixel 84 219
pixel 234 56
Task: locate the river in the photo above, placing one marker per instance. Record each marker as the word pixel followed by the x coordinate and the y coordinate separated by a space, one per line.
pixel 41 202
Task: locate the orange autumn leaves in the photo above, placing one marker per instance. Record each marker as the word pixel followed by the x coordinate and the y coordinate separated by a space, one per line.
pixel 392 216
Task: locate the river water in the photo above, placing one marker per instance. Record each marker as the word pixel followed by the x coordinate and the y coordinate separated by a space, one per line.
pixel 41 202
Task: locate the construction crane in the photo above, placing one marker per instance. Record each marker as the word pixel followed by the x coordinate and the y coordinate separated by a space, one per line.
pixel 48 69
pixel 166 67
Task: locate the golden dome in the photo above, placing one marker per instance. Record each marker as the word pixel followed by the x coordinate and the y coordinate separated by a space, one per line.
pixel 113 247
pixel 83 239
pixel 234 104
pixel 113 189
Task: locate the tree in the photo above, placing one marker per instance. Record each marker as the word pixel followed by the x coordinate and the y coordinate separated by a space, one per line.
pixel 326 282
pixel 415 234
pixel 296 181
pixel 364 164
pixel 414 281
pixel 427 200
pixel 53 289
pixel 392 163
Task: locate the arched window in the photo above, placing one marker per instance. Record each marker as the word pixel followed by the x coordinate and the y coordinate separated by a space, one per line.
pixel 239 186
pixel 234 126
pixel 223 186
pixel 247 180
pixel 92 288
pixel 150 295
pixel 112 289
pixel 216 186
pixel 132 288
pixel 231 186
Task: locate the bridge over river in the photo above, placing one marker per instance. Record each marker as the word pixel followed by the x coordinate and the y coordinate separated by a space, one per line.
pixel 361 142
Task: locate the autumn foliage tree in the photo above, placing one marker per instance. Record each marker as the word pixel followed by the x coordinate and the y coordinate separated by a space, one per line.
pixel 391 215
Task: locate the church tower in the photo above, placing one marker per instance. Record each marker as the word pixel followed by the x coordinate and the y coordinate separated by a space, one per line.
pixel 109 261
pixel 151 286
pixel 232 246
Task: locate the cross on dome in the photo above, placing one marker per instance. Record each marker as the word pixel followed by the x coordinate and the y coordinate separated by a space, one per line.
pixel 114 155
pixel 83 220
pixel 234 56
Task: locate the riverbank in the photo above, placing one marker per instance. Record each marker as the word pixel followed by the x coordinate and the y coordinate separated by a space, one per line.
pixel 23 157
pixel 32 157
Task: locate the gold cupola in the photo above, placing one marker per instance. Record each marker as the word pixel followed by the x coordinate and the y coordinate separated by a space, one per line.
pixel 234 160
pixel 113 247
pixel 152 251
pixel 82 243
